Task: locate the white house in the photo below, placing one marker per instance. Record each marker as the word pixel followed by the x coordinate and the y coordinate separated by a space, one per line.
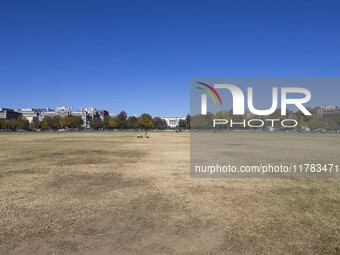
pixel 172 121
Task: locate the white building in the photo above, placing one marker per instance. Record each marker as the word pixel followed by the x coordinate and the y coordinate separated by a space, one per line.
pixel 85 117
pixel 86 114
pixel 63 111
pixel 173 121
pixel 29 114
pixel 90 110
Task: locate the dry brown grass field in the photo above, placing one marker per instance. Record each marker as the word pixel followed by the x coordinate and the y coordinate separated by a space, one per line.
pixel 111 193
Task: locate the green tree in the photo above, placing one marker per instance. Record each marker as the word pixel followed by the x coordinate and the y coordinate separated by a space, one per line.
pixel 12 124
pixel 122 116
pixel 65 122
pixel 3 124
pixel 71 122
pixel 182 124
pixel 22 123
pixel 331 124
pixel 56 122
pixel 122 124
pixel 112 123
pixel 132 122
pixel 47 123
pixel 222 115
pixel 109 122
pixel 317 122
pixel 159 123
pixel 187 121
pixel 37 124
pixel 96 123
pixel 145 121
pixel 202 121
pixel 336 119
pixel 106 122
pixel 76 121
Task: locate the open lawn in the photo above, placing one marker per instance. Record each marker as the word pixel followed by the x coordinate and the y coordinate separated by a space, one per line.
pixel 111 193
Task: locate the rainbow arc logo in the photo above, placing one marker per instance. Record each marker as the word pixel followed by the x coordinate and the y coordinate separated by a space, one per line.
pixel 209 93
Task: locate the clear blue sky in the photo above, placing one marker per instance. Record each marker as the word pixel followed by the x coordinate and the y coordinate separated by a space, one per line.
pixel 140 55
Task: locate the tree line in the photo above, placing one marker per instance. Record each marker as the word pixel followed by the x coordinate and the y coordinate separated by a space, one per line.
pixel 19 123
pixel 121 121
pixel 146 121
pixel 57 122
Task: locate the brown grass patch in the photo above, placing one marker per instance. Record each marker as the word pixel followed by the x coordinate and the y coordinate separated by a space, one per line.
pixel 110 193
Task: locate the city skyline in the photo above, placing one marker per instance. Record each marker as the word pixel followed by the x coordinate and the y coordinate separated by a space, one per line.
pixel 85 115
pixel 326 116
pixel 83 108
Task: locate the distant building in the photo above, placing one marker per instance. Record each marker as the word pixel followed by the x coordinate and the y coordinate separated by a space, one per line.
pixel 29 113
pixel 328 110
pixel 63 111
pixel 173 121
pixel 50 113
pixel 86 114
pixel 90 110
pixel 331 112
pixel 8 114
pixel 328 107
pixel 44 110
pixel 102 114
